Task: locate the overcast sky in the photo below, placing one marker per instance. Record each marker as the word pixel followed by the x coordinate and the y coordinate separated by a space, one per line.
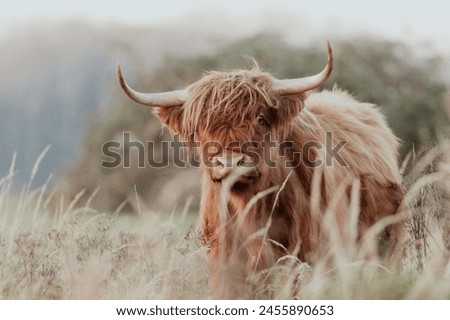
pixel 413 20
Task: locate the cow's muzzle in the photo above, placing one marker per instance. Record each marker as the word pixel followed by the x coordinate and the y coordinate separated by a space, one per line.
pixel 237 169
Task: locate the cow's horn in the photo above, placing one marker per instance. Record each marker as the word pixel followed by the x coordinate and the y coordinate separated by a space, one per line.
pixel 163 99
pixel 295 86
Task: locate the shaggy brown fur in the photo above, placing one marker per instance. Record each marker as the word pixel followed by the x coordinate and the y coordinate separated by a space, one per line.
pixel 248 236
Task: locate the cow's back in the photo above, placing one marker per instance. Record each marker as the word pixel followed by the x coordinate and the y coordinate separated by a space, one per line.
pixel 369 153
pixel 370 145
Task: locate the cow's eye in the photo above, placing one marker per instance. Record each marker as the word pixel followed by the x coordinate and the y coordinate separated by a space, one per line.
pixel 261 120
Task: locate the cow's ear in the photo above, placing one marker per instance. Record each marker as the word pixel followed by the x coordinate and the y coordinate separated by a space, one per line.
pixel 289 107
pixel 172 117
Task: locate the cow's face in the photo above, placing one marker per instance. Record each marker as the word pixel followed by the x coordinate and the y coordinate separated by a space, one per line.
pixel 236 122
pixel 232 117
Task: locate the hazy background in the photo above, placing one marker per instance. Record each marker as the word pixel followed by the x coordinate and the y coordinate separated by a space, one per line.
pixel 58 85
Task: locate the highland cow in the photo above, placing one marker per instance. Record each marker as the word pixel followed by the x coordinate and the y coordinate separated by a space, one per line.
pixel 277 158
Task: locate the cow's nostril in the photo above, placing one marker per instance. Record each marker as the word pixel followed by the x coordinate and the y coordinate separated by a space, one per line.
pixel 215 162
pixel 218 164
pixel 237 161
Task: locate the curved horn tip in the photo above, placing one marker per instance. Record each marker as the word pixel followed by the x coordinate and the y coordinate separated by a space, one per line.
pixel 163 99
pixel 122 81
pixel 330 58
pixel 294 86
pixel 119 71
pixel 330 51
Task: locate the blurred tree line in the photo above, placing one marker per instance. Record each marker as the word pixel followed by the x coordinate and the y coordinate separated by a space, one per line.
pixel 407 88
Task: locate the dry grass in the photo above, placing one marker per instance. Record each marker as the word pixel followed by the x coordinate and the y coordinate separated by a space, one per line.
pixel 68 253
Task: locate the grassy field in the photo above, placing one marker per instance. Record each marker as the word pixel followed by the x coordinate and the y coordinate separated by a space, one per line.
pixel 74 252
